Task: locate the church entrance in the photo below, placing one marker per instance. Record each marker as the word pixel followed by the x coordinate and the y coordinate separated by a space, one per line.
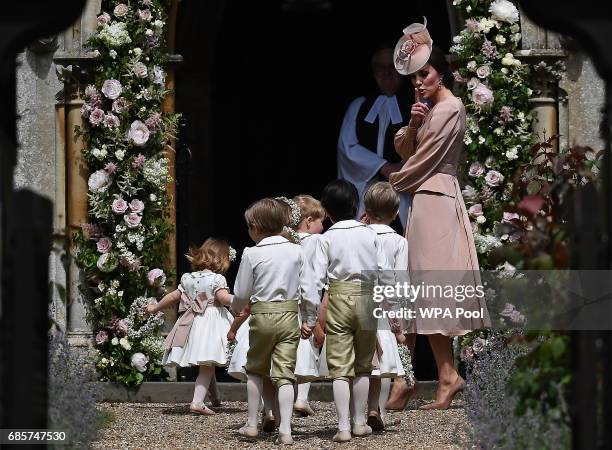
pixel 263 89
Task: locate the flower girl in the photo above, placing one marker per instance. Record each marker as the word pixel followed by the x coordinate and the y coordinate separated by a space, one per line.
pixel 199 337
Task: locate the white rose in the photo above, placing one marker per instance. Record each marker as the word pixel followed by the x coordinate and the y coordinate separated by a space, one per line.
pixel 475 210
pixel 149 32
pixel 115 341
pixel 505 11
pixel 512 154
pixel 138 134
pixel 481 219
pixel 504 70
pixel 472 66
pixel 125 343
pixel 457 39
pixel 138 51
pixel 139 361
pixel 481 140
pixel 516 37
pixel 99 181
pixel 152 197
pixel 120 154
pixel 515 28
pixel 500 39
pixel 158 24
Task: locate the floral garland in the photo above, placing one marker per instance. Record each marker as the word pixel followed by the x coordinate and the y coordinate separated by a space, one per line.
pixel 494 87
pixel 123 246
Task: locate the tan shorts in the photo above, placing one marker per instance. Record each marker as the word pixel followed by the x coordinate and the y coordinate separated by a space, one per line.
pixel 351 330
pixel 274 336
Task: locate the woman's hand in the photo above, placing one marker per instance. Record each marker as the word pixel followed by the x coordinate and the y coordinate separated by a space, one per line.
pixel 150 308
pixel 418 112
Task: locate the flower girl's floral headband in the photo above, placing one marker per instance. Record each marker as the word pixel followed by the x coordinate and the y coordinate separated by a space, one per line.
pixel 232 254
pixel 296 217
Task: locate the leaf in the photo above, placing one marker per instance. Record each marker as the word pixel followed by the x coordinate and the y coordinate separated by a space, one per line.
pixel 534 187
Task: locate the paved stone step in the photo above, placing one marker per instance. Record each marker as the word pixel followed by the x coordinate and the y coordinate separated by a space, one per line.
pixel 182 392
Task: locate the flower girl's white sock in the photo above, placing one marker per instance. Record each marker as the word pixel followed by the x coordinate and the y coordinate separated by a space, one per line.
pixel 361 386
pixel 285 401
pixel 385 388
pixel 342 398
pixel 302 394
pixel 254 389
pixel 201 384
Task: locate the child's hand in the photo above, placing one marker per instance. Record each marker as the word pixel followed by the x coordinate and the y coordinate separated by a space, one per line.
pixel 319 335
pixel 231 335
pixel 306 331
pixel 150 308
pixel 400 338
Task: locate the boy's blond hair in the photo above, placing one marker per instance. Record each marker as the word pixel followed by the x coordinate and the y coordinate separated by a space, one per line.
pixel 309 207
pixel 381 201
pixel 213 255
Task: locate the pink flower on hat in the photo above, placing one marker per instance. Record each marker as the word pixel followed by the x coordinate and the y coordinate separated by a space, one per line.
pixel 406 49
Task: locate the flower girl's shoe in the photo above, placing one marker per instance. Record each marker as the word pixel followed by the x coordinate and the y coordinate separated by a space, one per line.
pixel 362 430
pixel 342 436
pixel 268 423
pixel 201 409
pixel 375 421
pixel 303 408
pixel 285 439
pixel 248 431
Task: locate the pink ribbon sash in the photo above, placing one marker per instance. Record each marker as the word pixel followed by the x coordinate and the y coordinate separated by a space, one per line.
pixel 180 332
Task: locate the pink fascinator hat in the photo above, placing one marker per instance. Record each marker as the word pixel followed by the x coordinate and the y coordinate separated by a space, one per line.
pixel 413 49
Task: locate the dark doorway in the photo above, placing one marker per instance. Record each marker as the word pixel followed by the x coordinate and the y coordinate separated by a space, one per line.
pixel 263 88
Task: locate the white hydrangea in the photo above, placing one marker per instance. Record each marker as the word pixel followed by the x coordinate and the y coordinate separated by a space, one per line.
pixel 115 35
pixel 155 171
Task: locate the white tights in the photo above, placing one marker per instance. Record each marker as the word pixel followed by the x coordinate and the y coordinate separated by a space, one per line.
pixel 202 383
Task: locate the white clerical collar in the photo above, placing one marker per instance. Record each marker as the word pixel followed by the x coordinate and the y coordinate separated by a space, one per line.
pixel 387 102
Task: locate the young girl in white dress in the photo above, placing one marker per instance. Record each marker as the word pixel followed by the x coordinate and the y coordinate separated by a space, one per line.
pixel 381 207
pixel 310 227
pixel 199 337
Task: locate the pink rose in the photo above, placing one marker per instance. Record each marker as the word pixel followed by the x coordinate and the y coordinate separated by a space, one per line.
pixel 107 262
pixel 112 89
pixel 96 117
pixel 472 83
pixel 132 219
pixel 156 277
pixel 145 15
pixel 509 217
pixel 476 169
pixel 136 206
pixel 475 210
pixel 104 19
pixel 111 121
pixel 85 110
pixel 101 337
pixel 120 206
pixel 482 96
pixel 104 244
pixel 121 328
pixel 494 178
pixel 153 121
pixel 140 70
pixel 138 134
pixel 119 105
pixel 483 71
pixel 120 10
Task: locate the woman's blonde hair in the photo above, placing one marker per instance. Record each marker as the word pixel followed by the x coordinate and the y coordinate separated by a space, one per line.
pixel 213 255
pixel 381 201
pixel 309 207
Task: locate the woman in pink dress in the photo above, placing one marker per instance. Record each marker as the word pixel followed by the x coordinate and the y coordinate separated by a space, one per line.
pixel 441 246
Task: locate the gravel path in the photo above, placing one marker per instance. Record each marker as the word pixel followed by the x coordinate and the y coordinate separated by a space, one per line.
pixel 155 425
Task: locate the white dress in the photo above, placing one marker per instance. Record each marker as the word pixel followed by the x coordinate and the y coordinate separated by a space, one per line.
pixel 207 341
pixel 239 357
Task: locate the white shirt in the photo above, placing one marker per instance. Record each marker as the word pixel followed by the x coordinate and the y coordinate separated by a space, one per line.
pixel 360 165
pixel 345 250
pixel 394 246
pixel 309 244
pixel 276 270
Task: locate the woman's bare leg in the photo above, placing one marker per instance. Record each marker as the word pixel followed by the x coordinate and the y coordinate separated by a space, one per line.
pixel 449 380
